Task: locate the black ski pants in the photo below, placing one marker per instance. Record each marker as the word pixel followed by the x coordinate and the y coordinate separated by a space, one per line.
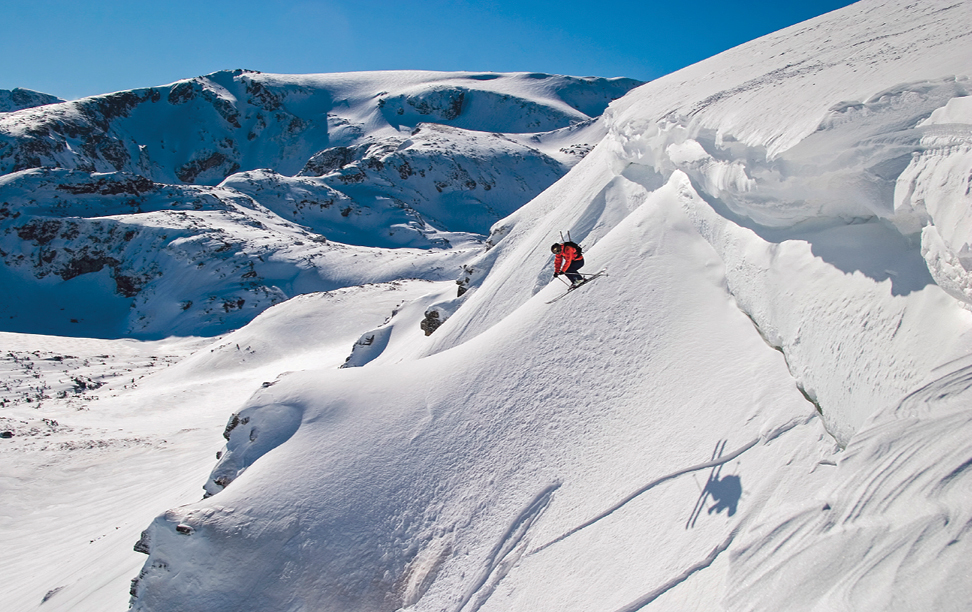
pixel 571 271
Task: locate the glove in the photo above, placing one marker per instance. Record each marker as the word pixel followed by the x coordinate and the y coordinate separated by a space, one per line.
pixel 556 274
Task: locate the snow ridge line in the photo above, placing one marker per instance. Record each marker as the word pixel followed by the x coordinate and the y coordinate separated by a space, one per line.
pixel 505 554
pixel 674 582
pixel 650 485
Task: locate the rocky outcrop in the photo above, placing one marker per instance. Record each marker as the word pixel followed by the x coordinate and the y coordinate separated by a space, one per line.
pixel 431 322
pixel 438 103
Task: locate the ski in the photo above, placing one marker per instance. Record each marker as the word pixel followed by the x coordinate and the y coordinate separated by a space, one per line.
pixel 587 278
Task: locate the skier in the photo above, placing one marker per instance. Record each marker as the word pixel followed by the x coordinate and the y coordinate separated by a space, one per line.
pixel 568 261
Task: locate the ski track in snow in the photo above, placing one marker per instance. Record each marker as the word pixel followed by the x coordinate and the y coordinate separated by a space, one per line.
pixel 674 582
pixel 694 468
pixel 506 553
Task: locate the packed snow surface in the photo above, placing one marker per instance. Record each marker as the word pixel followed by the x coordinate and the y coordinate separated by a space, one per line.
pixel 764 404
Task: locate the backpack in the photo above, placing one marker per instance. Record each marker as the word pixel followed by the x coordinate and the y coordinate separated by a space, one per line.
pixel 580 253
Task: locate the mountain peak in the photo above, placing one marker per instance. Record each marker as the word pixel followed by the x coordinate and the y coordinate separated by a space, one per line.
pixel 18 99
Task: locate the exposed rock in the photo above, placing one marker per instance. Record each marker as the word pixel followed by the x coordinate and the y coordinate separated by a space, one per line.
pixel 464 280
pixel 105 109
pixel 112 184
pixel 435 103
pixel 181 93
pixel 86 264
pixel 262 96
pixel 39 231
pixel 431 322
pixel 328 161
pixel 189 171
pixel 51 593
pixel 234 422
pixel 143 544
pixel 445 104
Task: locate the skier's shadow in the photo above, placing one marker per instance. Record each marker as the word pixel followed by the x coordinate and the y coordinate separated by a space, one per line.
pixel 725 492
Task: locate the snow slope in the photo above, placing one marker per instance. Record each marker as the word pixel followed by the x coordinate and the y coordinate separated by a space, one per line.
pixel 105 432
pixel 763 406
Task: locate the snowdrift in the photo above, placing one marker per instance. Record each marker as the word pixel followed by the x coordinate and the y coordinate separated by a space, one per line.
pixel 764 405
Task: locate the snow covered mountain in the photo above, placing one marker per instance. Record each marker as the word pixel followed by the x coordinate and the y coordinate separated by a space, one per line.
pixel 766 403
pixel 110 203
pixel 19 99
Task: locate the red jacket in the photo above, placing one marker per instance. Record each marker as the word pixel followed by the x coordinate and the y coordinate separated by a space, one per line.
pixel 565 257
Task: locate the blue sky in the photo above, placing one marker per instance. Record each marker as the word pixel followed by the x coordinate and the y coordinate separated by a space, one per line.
pixel 73 49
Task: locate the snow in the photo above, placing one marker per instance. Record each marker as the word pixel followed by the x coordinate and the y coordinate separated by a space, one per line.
pixel 763 405
pixel 144 439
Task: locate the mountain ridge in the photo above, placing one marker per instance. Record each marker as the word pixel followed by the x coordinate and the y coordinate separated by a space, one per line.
pixel 354 159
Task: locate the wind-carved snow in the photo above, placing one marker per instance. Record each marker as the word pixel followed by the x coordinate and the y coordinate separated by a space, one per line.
pixel 506 554
pixel 855 168
pixel 714 463
pixel 501 401
pixel 896 512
